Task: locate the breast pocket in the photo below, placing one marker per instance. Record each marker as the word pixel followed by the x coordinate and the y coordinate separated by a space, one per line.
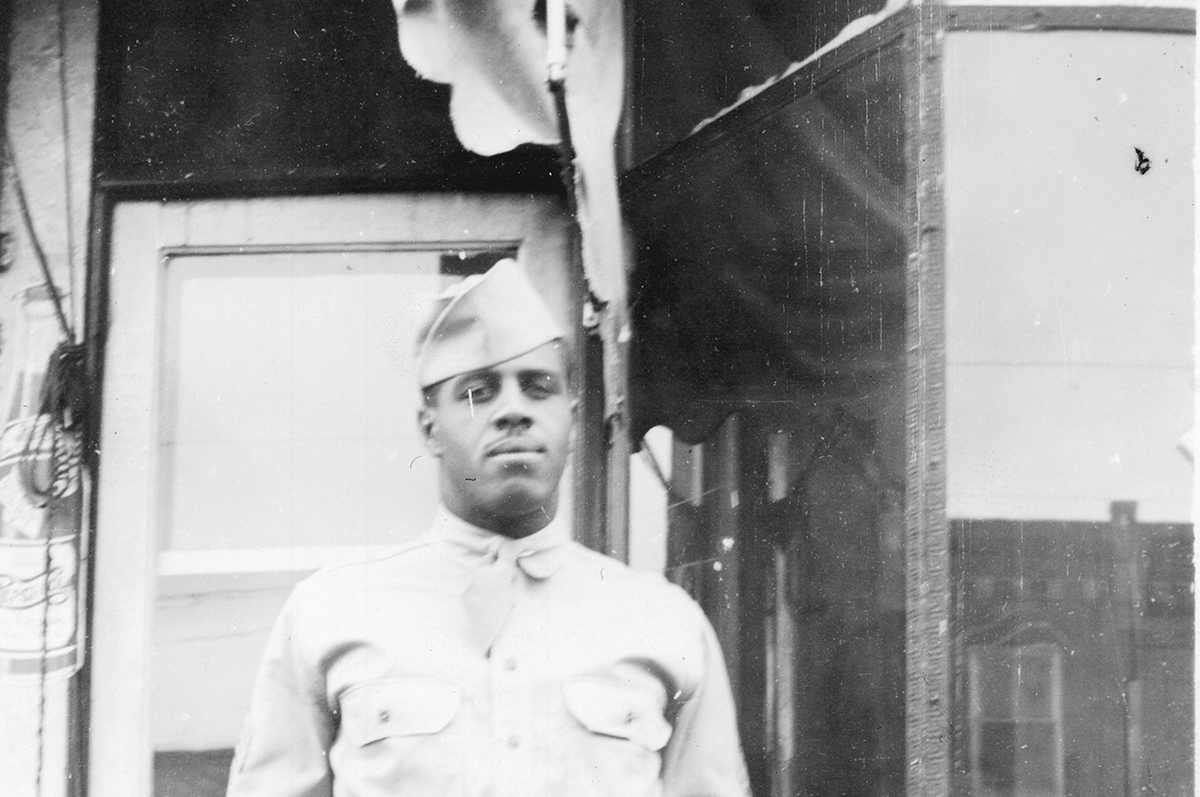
pixel 612 708
pixel 397 708
pixel 399 730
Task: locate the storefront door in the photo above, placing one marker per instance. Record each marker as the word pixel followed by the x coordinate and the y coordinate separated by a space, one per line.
pixel 258 422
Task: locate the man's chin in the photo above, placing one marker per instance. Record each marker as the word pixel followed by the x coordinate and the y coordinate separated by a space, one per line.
pixel 520 498
pixel 515 477
pixel 518 503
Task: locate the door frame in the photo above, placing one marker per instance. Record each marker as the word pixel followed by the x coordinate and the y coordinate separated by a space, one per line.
pixel 124 338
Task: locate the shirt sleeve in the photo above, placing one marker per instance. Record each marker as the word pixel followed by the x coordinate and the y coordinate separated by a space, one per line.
pixel 704 756
pixel 284 746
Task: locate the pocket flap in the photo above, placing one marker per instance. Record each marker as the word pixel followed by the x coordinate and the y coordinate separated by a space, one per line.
pixel 615 708
pixel 397 707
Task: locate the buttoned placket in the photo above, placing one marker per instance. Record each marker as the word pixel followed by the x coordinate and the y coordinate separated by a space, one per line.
pixel 512 682
pixel 519 766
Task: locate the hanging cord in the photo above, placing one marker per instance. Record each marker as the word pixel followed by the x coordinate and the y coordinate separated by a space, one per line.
pixel 38 251
pixel 50 455
pixel 68 194
pixel 54 430
pixel 47 564
pixel 36 431
pixel 651 460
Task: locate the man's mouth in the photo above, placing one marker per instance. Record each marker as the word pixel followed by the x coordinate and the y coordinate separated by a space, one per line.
pixel 515 449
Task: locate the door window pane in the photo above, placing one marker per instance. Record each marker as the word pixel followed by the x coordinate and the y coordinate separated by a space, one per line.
pixel 288 400
pixel 288 441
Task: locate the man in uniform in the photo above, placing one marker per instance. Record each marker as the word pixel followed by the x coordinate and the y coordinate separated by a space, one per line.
pixel 493 657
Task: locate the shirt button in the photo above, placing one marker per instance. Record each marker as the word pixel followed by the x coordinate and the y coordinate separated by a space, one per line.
pixel 510 664
pixel 514 742
pixel 385 716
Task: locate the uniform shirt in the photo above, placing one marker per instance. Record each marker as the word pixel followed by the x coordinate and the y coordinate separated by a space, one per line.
pixel 602 682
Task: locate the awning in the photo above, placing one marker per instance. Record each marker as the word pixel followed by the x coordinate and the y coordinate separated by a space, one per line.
pixel 772 248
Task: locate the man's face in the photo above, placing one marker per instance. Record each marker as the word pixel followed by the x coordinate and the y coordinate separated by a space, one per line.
pixel 502 436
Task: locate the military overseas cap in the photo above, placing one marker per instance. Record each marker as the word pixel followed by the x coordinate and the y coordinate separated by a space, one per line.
pixel 483 321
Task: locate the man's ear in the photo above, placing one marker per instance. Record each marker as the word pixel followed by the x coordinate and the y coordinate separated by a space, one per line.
pixel 427 425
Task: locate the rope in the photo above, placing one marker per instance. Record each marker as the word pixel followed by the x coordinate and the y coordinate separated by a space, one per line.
pixel 49 447
pixel 652 461
pixel 68 194
pixel 41 731
pixel 39 253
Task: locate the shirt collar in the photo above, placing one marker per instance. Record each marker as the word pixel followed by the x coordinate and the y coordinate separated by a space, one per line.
pixel 539 555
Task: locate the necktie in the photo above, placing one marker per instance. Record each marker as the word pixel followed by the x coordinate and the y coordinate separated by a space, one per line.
pixel 491 597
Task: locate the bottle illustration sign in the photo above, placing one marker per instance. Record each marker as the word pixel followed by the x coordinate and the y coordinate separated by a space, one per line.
pixel 40 506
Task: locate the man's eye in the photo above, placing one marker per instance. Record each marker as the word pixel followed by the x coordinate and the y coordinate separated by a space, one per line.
pixel 541 387
pixel 476 393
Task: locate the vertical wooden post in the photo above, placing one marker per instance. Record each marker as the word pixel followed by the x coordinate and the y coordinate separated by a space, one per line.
pixel 781 642
pixel 755 586
pixel 1127 575
pixel 928 550
pixel 620 448
pixel 602 452
pixel 721 566
pixel 591 471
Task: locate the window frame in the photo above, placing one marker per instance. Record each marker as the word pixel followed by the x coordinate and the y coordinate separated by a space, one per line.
pixel 128 308
pixel 1015 656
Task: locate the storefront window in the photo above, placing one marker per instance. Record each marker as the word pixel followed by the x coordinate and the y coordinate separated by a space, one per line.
pixel 1069 396
pixel 769 310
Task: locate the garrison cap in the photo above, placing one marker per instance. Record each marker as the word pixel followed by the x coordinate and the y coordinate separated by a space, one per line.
pixel 483 321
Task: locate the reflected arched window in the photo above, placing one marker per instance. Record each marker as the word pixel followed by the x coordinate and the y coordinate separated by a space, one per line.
pixel 1016 737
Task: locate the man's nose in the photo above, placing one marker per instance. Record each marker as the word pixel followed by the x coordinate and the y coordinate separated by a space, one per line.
pixel 512 409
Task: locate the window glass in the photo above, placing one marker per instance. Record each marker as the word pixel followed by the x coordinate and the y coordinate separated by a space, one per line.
pixel 288 399
pixel 288 441
pixel 1015 729
pixel 993 684
pixel 770 326
pixel 259 423
pixel 1069 399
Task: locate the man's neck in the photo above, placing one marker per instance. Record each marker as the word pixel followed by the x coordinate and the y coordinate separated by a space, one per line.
pixel 514 527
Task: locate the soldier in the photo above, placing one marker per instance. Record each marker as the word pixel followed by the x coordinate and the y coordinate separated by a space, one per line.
pixel 494 656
